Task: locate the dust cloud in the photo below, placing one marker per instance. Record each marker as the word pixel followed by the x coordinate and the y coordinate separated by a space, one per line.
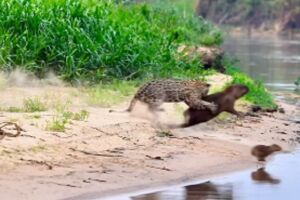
pixel 20 78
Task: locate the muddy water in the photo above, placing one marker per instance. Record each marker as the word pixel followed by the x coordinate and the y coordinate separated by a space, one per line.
pixel 278 180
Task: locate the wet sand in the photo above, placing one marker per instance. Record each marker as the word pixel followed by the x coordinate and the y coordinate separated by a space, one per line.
pixel 115 152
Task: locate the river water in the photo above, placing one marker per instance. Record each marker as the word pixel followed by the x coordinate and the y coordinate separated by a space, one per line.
pixel 275 61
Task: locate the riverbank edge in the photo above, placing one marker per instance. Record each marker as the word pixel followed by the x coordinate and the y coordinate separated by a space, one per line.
pixel 188 179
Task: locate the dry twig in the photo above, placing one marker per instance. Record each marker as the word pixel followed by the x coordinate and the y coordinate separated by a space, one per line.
pixel 4 133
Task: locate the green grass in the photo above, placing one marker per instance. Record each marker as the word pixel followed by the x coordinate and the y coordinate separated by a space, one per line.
pixel 258 94
pixel 30 105
pixel 81 116
pixel 34 105
pixel 105 95
pixel 63 116
pixel 13 109
pixel 57 124
pixel 99 41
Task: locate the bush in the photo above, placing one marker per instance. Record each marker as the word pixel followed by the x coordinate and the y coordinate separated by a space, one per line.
pixel 98 40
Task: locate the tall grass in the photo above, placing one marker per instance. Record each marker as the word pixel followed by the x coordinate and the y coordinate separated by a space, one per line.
pixel 98 40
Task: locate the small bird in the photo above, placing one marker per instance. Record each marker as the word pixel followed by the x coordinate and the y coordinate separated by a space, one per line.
pixel 262 151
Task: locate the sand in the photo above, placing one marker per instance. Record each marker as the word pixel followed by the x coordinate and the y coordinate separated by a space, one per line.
pixel 111 153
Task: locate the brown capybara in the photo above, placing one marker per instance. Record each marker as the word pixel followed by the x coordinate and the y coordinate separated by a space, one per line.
pixel 224 100
pixel 262 151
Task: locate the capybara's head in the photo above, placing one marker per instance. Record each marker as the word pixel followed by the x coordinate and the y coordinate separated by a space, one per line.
pixel 237 90
pixel 276 147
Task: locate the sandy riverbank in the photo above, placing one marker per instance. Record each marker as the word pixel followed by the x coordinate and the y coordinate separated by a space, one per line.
pixel 112 152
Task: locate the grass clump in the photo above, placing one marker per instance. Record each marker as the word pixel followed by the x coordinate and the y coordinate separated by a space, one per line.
pixel 13 109
pixel 58 124
pixel 34 105
pixel 81 115
pixel 63 117
pixel 60 120
pixel 29 105
pixel 258 94
pixel 99 40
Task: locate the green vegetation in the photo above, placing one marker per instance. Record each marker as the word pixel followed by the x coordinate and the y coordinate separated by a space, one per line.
pixel 297 82
pixel 63 117
pixel 34 105
pixel 258 94
pixel 13 109
pixel 81 115
pixel 29 105
pixel 106 95
pixel 57 124
pixel 99 40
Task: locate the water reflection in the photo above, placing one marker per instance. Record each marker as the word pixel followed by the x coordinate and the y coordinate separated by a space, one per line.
pixel 209 190
pixel 202 191
pixel 280 180
pixel 262 176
